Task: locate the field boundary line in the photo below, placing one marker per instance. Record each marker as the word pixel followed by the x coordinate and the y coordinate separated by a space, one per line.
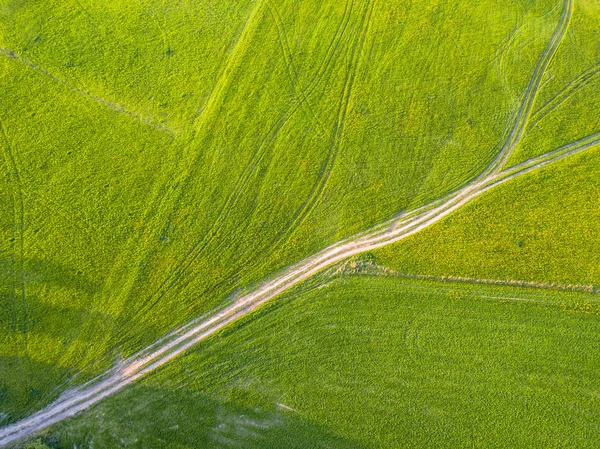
pixel 368 269
pixel 182 339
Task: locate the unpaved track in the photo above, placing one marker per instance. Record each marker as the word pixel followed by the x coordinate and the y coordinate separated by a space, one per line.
pixel 533 88
pixel 180 340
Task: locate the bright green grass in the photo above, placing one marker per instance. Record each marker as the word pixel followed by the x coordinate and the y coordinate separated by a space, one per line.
pixel 569 100
pixel 373 362
pixel 543 227
pixel 540 228
pixel 159 157
pixel 157 59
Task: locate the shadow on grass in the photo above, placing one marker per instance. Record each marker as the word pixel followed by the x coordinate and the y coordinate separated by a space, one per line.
pixel 46 272
pixel 27 385
pixel 145 417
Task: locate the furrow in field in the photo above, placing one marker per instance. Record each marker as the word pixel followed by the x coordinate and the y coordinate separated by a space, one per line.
pixel 106 103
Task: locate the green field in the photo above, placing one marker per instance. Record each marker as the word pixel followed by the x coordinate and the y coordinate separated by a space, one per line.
pixel 160 159
pixel 374 362
pixel 541 228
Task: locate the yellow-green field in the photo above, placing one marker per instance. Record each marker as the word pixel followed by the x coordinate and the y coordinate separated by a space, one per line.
pixel 162 159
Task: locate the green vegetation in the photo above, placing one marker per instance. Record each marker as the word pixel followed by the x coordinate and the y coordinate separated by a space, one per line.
pixel 541 228
pixel 568 102
pixel 544 227
pixel 38 445
pixel 160 158
pixel 376 362
pixel 142 188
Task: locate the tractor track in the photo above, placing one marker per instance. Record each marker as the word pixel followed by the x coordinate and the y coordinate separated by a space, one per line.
pixel 179 341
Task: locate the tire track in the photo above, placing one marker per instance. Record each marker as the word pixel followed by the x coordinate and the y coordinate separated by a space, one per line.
pixel 18 230
pixel 292 71
pixel 19 317
pixel 338 130
pixel 149 121
pixel 532 90
pixel 167 190
pixel 508 147
pixel 180 340
pixel 530 94
pixel 582 81
pixel 199 247
pixel 502 52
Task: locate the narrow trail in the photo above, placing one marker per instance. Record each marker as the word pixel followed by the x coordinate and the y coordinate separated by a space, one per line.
pixel 408 223
pixel 532 90
pixel 149 121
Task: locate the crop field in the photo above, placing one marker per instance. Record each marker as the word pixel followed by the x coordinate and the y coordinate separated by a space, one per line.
pixel 168 167
pixel 364 362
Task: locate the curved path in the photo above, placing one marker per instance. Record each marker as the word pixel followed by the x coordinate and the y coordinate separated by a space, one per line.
pixel 180 340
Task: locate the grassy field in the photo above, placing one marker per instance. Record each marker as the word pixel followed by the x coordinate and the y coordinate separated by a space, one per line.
pixel 571 94
pixel 160 158
pixel 541 228
pixel 373 362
